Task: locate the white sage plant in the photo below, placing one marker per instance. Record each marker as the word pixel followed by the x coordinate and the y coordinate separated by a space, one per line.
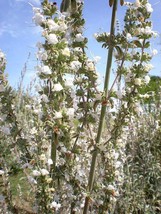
pixel 81 149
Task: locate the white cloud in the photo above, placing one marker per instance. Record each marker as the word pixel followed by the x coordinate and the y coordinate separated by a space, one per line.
pixel 34 2
pixel 38 2
pixel 7 28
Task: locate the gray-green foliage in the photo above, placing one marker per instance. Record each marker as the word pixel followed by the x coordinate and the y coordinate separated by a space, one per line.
pixel 141 190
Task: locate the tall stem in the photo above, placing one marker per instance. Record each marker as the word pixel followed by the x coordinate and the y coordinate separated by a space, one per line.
pixel 54 142
pixel 103 109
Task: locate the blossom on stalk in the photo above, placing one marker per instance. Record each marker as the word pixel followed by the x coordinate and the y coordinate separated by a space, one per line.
pixel 66 52
pixel 5 130
pixel 53 26
pixel 1 172
pixel 52 39
pixel 138 81
pixel 137 3
pixel 38 17
pixel 75 65
pixel 55 205
pixel 36 173
pixel 149 8
pixel 44 172
pixel 58 115
pixel 146 79
pixel 79 37
pixel 57 87
pixel 44 69
pixel 154 52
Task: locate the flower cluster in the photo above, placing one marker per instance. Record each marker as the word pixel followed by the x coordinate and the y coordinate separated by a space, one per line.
pixel 65 67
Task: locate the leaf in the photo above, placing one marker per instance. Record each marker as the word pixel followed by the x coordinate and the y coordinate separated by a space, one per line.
pixel 73 6
pixel 111 2
pixel 96 103
pixel 65 5
pixel 105 45
pixel 147 45
pixel 137 43
pixel 119 52
pixel 121 2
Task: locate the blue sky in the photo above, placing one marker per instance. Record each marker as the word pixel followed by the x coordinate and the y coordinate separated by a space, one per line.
pixel 18 34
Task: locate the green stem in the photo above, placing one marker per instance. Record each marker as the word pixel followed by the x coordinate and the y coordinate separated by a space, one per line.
pixel 103 109
pixel 54 142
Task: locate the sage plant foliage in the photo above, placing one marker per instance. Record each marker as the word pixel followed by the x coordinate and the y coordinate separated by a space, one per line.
pixel 51 136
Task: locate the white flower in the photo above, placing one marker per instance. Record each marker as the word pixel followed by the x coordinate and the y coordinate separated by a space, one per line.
pixel 55 205
pixel 78 49
pixel 148 67
pixel 36 173
pixel 31 180
pixel 48 180
pixel 44 69
pixel 80 29
pixel 53 26
pixel 38 18
pixel 58 115
pixel 79 37
pixel 36 9
pixel 66 52
pixel 1 172
pixel 98 96
pixel 70 112
pixel 154 52
pixel 110 187
pixel 38 112
pixel 95 35
pixel 44 97
pixel 149 8
pixel 5 130
pixel 52 39
pixel 137 81
pixel 138 109
pixel 118 164
pixel 137 3
pixel 147 79
pixel 42 157
pixel 128 77
pixel 146 95
pixel 42 55
pixel 69 82
pixel 2 56
pixel 119 94
pixel 57 87
pixel 44 172
pixel 62 27
pixel 116 154
pixel 155 34
pixel 148 30
pixel 75 65
pixel 90 66
pixel 33 131
pixel 50 162
pixel 128 36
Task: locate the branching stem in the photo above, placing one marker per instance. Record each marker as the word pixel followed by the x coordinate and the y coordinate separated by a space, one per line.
pixel 103 109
